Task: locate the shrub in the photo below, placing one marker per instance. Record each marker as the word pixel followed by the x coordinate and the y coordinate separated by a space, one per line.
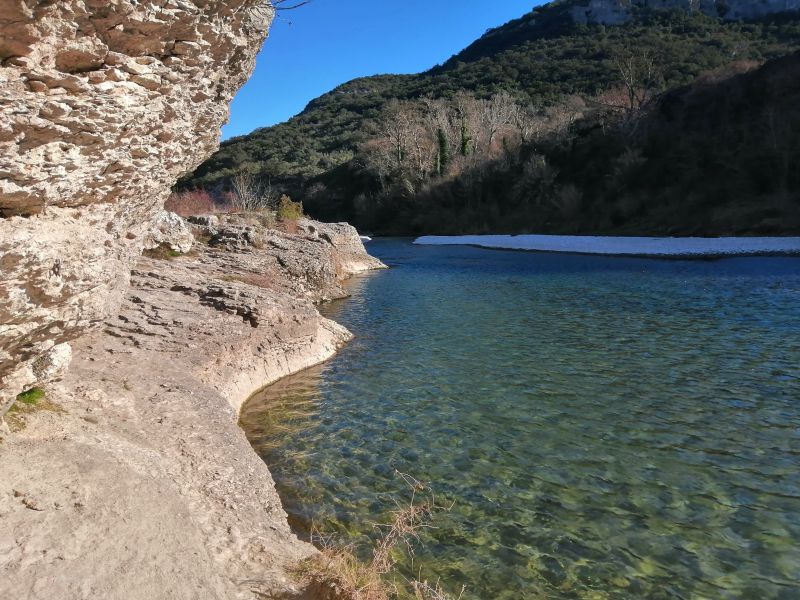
pixel 191 202
pixel 27 403
pixel 288 210
pixel 249 193
pixel 162 252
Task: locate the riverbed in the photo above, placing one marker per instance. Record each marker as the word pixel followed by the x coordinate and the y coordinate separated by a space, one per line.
pixel 605 427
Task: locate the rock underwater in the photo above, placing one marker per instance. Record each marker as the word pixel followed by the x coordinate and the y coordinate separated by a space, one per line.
pixel 104 104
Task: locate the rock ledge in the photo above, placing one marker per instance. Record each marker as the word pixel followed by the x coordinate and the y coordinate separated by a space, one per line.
pixel 141 484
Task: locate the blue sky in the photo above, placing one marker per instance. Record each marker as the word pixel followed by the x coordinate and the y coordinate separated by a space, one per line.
pixel 313 49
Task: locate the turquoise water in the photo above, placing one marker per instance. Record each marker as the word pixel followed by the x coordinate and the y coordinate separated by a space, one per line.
pixel 606 428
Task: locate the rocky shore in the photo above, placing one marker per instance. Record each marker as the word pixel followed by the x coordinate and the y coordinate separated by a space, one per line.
pixel 131 478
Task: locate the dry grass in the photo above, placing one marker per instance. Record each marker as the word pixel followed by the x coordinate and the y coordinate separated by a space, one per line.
pixel 424 591
pixel 337 574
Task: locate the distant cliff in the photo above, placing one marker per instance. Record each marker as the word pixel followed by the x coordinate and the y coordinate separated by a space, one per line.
pixel 615 12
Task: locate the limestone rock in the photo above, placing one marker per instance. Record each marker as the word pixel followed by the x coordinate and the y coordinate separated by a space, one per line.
pixel 52 365
pixel 350 251
pixel 103 106
pixel 148 485
pixel 168 229
pixel 208 221
pixel 615 12
pixel 314 260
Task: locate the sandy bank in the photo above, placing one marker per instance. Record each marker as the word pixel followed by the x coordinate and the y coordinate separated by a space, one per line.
pixel 142 485
pixel 627 246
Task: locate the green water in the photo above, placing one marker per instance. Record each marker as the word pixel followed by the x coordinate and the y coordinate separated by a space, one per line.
pixel 607 428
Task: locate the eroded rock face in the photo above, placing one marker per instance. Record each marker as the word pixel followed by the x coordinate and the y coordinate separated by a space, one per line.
pixel 104 104
pixel 313 261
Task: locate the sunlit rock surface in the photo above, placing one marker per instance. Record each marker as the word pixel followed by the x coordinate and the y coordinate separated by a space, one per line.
pixel 614 12
pixel 103 105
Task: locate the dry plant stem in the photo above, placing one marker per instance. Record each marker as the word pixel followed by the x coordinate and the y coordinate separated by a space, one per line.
pixel 424 591
pixel 338 575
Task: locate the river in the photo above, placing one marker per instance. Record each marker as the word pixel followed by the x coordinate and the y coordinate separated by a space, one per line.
pixel 605 428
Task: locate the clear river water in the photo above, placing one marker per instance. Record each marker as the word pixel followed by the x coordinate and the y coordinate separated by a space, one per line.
pixel 605 428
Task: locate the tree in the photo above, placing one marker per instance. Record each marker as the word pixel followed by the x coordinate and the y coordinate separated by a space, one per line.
pixel 526 121
pixel 496 113
pixel 250 193
pixel 439 120
pixel 443 152
pixel 465 110
pixel 640 76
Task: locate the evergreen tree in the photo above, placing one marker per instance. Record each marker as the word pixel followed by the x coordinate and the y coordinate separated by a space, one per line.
pixel 443 153
pixel 466 138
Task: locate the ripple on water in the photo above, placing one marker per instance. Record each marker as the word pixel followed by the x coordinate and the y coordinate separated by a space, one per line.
pixel 607 428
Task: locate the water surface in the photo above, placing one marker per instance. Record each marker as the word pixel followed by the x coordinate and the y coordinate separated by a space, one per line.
pixel 608 428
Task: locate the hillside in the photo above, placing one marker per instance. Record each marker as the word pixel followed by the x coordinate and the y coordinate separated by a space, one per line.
pixel 541 59
pixel 716 157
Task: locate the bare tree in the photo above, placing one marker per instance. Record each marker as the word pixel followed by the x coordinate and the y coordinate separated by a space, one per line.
pixel 527 121
pixel 496 113
pixel 640 76
pixel 397 127
pixel 422 151
pixel 439 123
pixel 376 158
pixel 561 116
pixel 250 193
pixel 465 116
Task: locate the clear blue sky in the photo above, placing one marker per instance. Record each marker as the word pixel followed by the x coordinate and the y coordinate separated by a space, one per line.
pixel 313 49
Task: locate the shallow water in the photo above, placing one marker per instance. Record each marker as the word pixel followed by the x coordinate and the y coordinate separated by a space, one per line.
pixel 606 427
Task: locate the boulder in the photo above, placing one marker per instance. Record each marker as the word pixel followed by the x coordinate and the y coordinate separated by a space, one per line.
pixel 169 230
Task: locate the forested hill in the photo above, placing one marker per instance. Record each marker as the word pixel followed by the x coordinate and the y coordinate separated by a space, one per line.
pixel 542 60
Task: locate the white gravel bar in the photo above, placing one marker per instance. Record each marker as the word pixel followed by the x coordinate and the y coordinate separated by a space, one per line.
pixel 627 246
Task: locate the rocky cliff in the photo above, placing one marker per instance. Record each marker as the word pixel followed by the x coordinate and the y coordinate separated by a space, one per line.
pixel 615 12
pixel 103 105
pixel 131 479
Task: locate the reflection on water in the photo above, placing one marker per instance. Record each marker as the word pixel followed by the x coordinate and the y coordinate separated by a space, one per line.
pixel 608 428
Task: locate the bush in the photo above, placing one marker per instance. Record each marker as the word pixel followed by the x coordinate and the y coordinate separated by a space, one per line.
pixel 191 202
pixel 288 210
